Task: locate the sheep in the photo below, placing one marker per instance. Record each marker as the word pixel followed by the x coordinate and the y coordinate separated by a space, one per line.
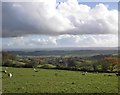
pixel 35 70
pixel 117 74
pixel 83 73
pixel 5 71
pixel 10 75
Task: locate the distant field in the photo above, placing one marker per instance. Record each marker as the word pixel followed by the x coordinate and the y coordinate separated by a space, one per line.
pixel 0 59
pixel 26 80
pixel 81 53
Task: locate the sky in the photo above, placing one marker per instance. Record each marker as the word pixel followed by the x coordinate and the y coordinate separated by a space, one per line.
pixel 51 23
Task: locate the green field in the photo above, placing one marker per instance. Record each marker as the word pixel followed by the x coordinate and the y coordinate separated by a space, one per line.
pixel 26 80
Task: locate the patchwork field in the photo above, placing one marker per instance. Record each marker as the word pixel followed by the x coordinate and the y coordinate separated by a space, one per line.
pixel 26 80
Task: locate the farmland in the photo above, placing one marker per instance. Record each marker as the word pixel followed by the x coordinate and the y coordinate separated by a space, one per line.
pixel 26 80
pixel 70 72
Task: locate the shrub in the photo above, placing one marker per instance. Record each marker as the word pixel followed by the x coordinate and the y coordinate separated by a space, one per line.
pixel 48 66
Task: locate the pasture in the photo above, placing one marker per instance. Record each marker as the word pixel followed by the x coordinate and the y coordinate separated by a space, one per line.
pixel 26 80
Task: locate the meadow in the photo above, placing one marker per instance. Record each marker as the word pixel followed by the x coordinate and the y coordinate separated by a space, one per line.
pixel 26 80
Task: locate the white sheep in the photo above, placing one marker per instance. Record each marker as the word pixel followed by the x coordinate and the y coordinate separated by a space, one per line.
pixel 10 75
pixel 84 73
pixel 35 70
pixel 5 71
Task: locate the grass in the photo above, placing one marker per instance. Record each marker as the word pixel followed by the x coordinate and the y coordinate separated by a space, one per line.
pixel 26 80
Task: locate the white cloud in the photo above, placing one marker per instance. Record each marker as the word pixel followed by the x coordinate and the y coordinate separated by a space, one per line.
pixel 61 41
pixel 48 24
pixel 28 42
pixel 43 17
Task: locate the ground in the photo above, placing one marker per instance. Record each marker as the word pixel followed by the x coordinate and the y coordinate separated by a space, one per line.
pixel 26 80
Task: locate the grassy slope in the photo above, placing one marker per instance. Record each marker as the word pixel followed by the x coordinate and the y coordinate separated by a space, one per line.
pixel 57 81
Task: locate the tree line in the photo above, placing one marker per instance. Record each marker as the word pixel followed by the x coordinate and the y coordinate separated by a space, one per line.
pixel 98 63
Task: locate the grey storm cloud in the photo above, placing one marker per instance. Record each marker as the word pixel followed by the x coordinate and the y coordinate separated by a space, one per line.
pixel 50 18
pixel 15 23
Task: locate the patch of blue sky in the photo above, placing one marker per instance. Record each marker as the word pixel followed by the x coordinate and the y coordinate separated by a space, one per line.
pixel 92 0
pixel 113 4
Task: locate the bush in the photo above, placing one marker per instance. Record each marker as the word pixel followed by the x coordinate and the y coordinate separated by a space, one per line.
pixel 48 66
pixel 13 63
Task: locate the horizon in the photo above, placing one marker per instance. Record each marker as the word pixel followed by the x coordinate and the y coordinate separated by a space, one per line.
pixel 64 49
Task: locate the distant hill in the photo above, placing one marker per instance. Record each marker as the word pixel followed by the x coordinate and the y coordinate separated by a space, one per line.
pixel 63 48
pixel 64 52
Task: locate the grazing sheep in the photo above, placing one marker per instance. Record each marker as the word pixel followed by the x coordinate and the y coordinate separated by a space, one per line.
pixel 117 74
pixel 35 70
pixel 83 73
pixel 9 75
pixel 5 71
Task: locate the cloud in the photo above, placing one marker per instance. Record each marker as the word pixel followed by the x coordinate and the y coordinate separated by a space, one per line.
pixel 28 42
pixel 50 18
pixel 60 41
pixel 87 40
pixel 0 19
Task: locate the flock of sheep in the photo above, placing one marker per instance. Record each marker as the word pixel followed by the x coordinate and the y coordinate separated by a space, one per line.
pixel 9 74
